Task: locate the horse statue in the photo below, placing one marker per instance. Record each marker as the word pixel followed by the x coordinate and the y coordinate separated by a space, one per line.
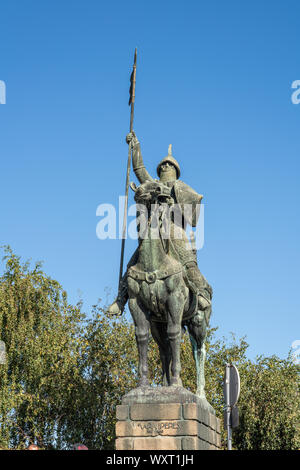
pixel 161 298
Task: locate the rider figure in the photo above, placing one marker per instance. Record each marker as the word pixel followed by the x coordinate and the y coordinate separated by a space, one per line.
pixel 168 171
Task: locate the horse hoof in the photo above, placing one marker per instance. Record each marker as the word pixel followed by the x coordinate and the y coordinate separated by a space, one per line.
pixel 176 382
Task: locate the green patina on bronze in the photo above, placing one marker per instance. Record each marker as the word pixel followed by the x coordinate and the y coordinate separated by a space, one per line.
pixel 163 284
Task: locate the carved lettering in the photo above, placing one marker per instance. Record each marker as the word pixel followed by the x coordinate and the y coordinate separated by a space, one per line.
pixel 158 428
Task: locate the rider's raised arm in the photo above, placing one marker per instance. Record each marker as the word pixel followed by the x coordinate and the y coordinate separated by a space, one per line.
pixel 137 160
pixel 138 165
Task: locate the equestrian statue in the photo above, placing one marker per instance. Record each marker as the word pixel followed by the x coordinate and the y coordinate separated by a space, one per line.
pixel 163 285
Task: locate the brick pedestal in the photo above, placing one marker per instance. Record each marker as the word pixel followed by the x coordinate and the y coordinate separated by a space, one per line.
pixel 166 426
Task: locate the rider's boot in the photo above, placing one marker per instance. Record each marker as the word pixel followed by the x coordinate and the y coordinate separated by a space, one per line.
pixel 204 290
pixel 117 307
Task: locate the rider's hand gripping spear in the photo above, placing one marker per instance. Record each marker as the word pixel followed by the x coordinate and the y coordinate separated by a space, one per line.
pixel 131 102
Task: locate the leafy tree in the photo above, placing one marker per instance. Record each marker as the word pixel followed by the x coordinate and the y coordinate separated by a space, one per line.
pixel 109 362
pixel 64 373
pixel 269 405
pixel 42 333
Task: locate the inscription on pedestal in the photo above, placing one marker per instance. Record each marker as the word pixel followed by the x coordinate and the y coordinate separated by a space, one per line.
pixel 158 428
pixel 173 426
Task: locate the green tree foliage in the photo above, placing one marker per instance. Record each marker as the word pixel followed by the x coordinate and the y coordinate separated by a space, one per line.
pixel 42 333
pixel 66 372
pixel 269 405
pixel 108 365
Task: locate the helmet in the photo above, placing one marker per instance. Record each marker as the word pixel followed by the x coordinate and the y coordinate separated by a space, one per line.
pixel 170 159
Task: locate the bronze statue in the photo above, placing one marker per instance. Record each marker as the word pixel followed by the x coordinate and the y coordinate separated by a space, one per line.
pixel 166 291
pixel 163 284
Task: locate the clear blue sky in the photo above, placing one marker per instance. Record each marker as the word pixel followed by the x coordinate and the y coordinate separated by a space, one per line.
pixel 214 79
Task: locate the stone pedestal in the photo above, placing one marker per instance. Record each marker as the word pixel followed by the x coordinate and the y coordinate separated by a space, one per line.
pixel 166 418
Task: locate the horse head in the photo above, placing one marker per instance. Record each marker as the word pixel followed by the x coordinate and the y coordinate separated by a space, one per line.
pixel 152 192
pixel 153 199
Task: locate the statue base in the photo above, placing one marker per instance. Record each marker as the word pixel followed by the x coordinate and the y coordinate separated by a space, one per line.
pixel 166 418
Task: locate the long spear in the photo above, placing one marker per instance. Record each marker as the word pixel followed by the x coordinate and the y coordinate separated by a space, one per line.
pixel 131 102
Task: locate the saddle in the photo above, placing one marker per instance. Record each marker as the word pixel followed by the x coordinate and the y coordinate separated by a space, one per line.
pixel 152 277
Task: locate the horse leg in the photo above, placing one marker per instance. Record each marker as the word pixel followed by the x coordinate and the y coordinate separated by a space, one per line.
pixel 175 310
pixel 142 338
pixel 197 331
pixel 159 333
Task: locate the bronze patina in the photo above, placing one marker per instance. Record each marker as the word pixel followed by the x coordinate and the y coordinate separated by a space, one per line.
pixel 163 285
